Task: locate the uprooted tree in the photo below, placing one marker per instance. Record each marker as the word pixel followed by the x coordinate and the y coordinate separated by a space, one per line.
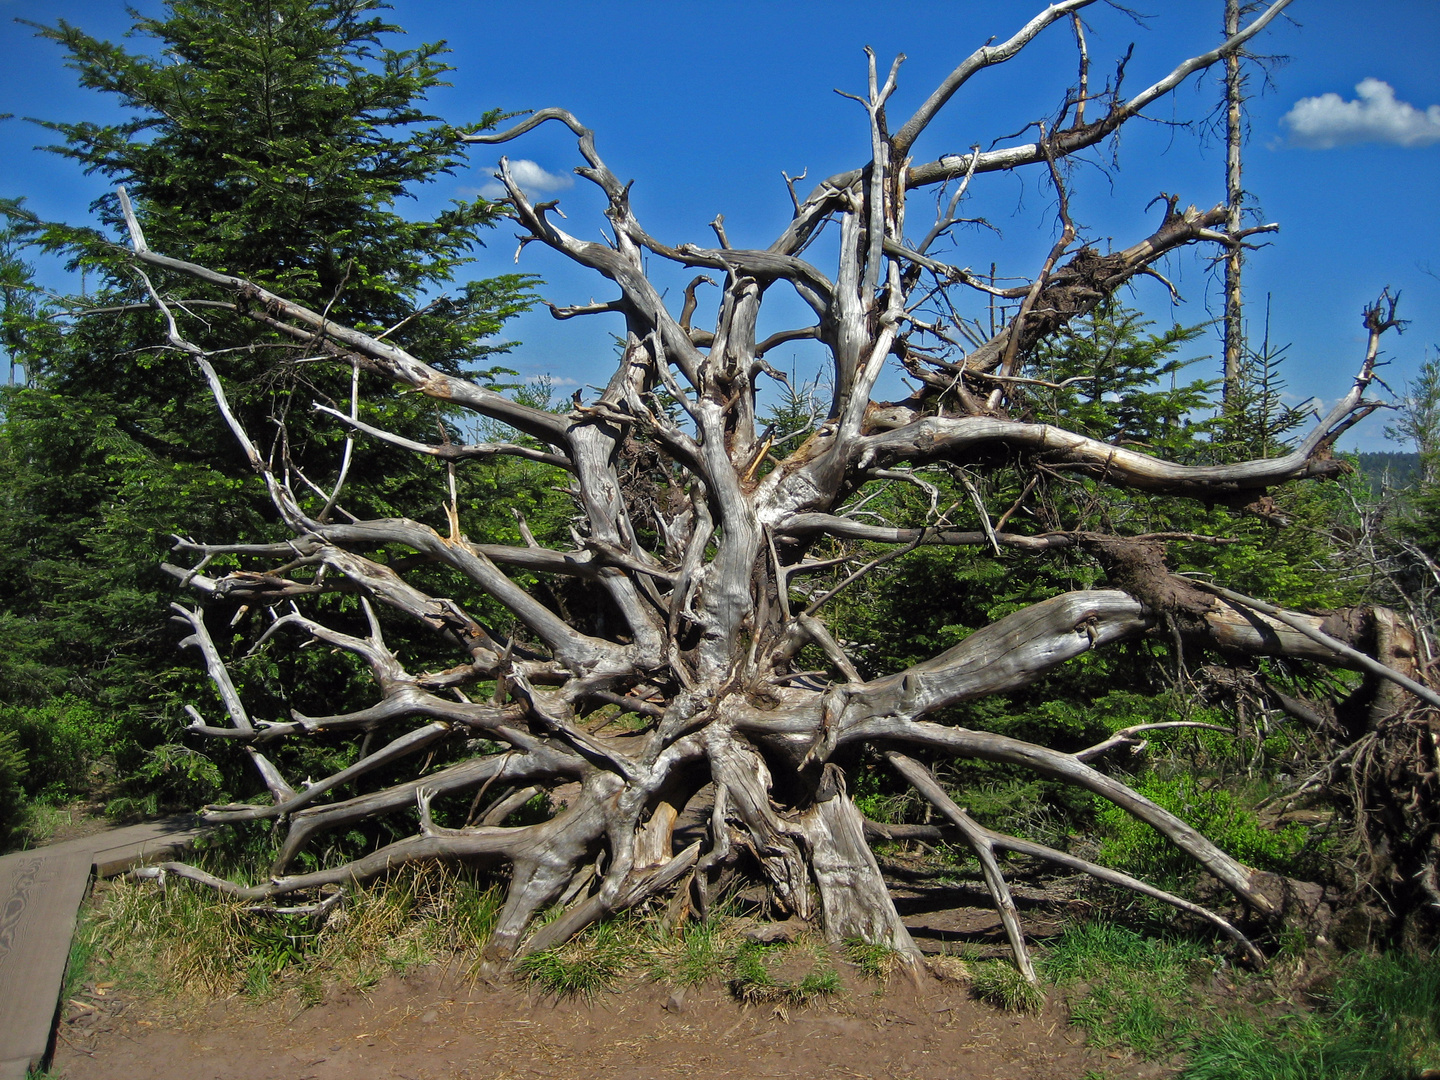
pixel 694 556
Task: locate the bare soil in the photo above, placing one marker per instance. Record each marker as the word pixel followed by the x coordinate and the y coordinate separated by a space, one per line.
pixel 431 1024
pixel 435 1022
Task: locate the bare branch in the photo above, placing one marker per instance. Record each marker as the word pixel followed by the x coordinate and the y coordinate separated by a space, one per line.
pixel 923 782
pixel 450 451
pixel 977 61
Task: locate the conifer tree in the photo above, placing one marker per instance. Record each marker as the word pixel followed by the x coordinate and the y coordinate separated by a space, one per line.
pixel 276 139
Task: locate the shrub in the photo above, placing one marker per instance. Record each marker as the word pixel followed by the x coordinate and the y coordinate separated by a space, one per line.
pixel 12 789
pixel 1136 848
pixel 62 742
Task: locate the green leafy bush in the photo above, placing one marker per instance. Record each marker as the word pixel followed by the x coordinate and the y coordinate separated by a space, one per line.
pixel 61 742
pixel 1136 848
pixel 12 788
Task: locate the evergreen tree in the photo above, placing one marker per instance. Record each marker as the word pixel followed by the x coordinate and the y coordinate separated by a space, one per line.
pixel 1417 420
pixel 269 138
pixel 1115 381
pixel 1255 420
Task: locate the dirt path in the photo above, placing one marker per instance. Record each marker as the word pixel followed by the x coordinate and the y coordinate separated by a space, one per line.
pixel 427 1026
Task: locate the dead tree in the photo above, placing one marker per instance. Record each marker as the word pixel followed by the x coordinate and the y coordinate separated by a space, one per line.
pixel 707 582
pixel 1234 198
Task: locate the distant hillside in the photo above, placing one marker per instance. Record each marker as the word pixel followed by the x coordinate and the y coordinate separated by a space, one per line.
pixel 1392 471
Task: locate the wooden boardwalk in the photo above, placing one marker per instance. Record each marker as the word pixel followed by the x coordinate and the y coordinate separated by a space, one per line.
pixel 41 891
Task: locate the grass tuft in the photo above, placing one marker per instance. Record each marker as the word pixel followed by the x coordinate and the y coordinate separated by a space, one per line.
pixel 782 974
pixel 587 964
pixel 1137 986
pixel 1382 1023
pixel 696 952
pixel 874 961
pixel 999 983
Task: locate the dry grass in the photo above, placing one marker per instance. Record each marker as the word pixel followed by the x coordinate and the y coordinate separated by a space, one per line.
pixel 181 939
pixel 185 942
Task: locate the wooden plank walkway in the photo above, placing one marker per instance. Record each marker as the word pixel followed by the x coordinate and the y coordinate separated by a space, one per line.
pixel 41 891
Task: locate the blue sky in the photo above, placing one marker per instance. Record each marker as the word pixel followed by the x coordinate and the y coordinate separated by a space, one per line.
pixel 704 105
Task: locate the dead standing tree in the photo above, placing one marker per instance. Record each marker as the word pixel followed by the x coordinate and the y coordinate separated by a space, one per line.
pixel 703 581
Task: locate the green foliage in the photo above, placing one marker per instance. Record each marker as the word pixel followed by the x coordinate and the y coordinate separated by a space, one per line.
pixel 1390 470
pixel 1137 987
pixel 13 768
pixel 1138 849
pixel 880 798
pixel 1381 1022
pixel 1254 419
pixel 271 140
pixel 1126 387
pixel 1131 387
pixel 61 741
pixel 1417 421
pixel 796 411
pixel 25 310
pixel 172 773
pixel 1300 558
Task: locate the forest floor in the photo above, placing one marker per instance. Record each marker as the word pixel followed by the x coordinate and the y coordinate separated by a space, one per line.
pixel 437 1021
pixel 430 1024
pixel 175 984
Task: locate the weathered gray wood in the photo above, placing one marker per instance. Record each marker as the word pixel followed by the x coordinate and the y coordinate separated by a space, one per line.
pixel 1301 625
pixel 125 849
pixel 42 893
pixel 854 900
pixel 980 843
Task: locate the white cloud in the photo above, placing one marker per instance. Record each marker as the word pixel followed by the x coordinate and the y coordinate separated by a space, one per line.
pixel 533 180
pixel 1375 116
